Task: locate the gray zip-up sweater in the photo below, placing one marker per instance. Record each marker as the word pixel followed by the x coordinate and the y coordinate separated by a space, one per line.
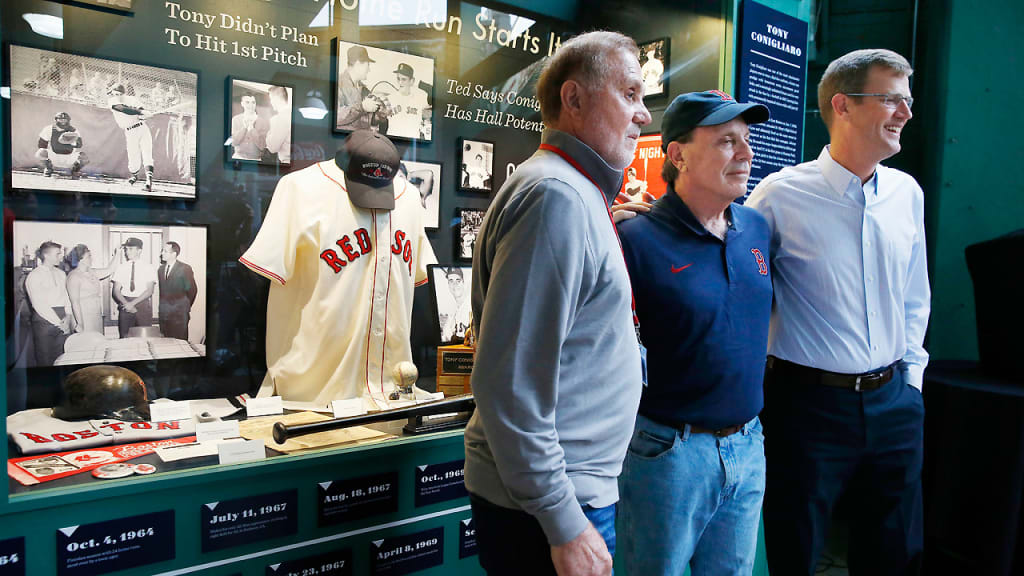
pixel 557 376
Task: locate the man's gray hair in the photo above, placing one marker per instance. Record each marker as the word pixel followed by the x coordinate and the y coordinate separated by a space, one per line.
pixel 585 59
pixel 849 74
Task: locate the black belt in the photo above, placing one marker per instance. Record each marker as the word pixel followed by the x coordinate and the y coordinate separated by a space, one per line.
pixel 694 429
pixel 134 126
pixel 857 382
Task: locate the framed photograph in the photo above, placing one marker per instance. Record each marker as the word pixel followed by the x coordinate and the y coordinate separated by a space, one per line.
pixel 642 178
pixel 467 228
pixel 451 286
pixel 82 124
pixel 426 176
pixel 654 67
pixel 115 5
pixel 259 122
pixel 88 293
pixel 391 92
pixel 476 165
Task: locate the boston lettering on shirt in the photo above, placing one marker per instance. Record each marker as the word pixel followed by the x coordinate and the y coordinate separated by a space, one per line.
pixel 115 545
pixel 12 557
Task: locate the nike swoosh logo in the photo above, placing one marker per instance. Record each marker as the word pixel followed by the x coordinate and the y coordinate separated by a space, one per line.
pixel 678 270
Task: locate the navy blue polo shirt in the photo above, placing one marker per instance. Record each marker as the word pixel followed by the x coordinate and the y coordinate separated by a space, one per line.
pixel 704 306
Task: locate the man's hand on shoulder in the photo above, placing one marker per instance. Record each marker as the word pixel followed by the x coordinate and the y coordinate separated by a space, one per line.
pixel 585 555
pixel 629 210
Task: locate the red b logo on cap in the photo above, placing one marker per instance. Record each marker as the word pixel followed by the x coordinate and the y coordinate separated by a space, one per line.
pixel 724 96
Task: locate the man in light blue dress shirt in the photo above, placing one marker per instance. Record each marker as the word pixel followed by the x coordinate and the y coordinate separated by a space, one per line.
pixel 843 410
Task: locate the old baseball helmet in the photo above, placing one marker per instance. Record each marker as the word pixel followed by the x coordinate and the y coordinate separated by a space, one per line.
pixel 102 391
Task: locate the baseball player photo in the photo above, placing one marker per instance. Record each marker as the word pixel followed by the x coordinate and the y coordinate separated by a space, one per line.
pixel 653 57
pixel 451 296
pixel 476 165
pixel 260 128
pixel 390 92
pixel 60 146
pixel 426 177
pixel 468 229
pixel 82 124
pixel 91 293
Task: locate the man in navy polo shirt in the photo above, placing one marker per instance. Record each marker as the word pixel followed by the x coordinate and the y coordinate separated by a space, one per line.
pixel 693 479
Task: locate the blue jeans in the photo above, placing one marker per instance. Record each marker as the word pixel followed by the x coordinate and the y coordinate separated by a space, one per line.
pixel 691 499
pixel 511 542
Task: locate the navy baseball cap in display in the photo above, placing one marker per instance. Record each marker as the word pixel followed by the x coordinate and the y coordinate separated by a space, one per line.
pixel 370 162
pixel 709 108
pixel 133 242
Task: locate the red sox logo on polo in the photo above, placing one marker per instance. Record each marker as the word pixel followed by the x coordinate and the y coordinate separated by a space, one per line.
pixel 724 96
pixel 762 266
pixel 402 247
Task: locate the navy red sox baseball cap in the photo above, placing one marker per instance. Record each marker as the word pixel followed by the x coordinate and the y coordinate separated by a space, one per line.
pixel 709 108
pixel 370 162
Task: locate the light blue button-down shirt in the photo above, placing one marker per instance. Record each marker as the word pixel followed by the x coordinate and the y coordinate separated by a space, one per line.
pixel 849 267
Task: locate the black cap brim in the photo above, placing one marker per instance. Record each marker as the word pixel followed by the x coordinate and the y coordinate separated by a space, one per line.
pixel 752 114
pixel 372 197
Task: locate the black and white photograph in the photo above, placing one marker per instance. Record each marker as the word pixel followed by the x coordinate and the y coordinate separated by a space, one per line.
pixel 467 228
pixel 476 165
pixel 89 293
pixel 653 67
pixel 259 123
pixel 426 176
pixel 451 285
pixel 378 89
pixel 119 5
pixel 81 124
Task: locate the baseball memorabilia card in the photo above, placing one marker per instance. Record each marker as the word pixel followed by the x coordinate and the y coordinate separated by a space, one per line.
pixel 82 124
pixel 642 179
pixel 467 228
pixel 450 288
pixel 654 67
pixel 259 122
pixel 476 165
pixel 378 89
pixel 426 177
pixel 87 293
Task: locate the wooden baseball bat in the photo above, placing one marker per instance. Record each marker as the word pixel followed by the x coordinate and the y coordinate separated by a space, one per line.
pixel 460 403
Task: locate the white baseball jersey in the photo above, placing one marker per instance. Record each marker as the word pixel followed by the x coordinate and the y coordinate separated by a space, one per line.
pixel 341 295
pixel 124 120
pixel 36 431
pixel 408 116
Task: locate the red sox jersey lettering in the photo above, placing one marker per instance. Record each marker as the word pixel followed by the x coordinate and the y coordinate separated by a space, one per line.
pixel 762 267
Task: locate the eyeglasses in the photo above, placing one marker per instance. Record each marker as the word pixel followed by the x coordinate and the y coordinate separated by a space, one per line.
pixel 890 100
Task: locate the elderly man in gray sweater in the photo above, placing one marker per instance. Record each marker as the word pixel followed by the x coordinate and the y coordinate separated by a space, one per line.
pixel 558 370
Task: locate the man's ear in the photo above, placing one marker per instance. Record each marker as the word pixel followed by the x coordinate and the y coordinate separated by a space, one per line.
pixel 674 153
pixel 572 98
pixel 840 105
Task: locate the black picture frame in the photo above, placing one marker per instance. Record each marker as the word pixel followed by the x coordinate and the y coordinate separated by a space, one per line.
pixel 397 115
pixel 472 176
pixel 116 6
pixel 466 229
pixel 81 85
pixel 237 88
pixel 446 305
pixel 59 229
pixel 661 55
pixel 430 198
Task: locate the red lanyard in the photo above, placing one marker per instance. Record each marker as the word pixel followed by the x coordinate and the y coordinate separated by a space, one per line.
pixel 572 162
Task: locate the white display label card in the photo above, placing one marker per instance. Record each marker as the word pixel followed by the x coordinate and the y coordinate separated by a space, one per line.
pixel 209 431
pixel 168 411
pixel 264 406
pixel 244 451
pixel 350 407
